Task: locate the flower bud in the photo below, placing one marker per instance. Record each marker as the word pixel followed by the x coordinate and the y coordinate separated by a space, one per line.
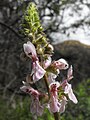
pixel 49 49
pixel 40 51
pixel 30 35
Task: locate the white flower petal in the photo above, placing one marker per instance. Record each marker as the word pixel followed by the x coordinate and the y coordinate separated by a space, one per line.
pixel 54 83
pixel 29 48
pixel 54 105
pixel 26 89
pixel 35 107
pixel 63 103
pixel 64 62
pixel 70 72
pixel 38 71
pixel 69 91
pixel 72 97
pixel 67 88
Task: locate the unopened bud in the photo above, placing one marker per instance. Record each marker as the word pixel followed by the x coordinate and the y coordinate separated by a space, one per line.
pixel 30 35
pixel 40 51
pixel 51 47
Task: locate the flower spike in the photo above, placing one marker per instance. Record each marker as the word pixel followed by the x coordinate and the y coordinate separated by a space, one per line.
pixel 51 92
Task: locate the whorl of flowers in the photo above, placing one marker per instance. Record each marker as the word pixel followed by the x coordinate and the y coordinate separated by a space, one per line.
pixel 39 50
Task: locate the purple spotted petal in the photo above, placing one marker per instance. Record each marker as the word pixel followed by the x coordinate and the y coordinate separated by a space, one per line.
pixel 60 64
pixel 29 48
pixel 64 63
pixel 54 103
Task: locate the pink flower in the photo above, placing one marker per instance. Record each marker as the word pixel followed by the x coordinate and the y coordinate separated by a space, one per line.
pixel 54 103
pixel 69 91
pixel 30 50
pixel 53 88
pixel 60 64
pixel 36 108
pixel 37 71
pixel 28 89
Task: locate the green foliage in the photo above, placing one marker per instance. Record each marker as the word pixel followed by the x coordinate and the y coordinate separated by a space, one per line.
pixel 19 113
pixel 81 111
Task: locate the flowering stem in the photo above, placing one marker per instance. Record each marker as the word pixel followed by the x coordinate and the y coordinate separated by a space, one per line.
pixel 46 82
pixel 56 116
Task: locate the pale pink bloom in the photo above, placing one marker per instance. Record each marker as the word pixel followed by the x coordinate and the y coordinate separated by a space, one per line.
pixel 47 62
pixel 54 103
pixel 30 50
pixel 60 64
pixel 70 73
pixel 28 89
pixel 36 108
pixel 37 71
pixel 69 91
pixel 63 103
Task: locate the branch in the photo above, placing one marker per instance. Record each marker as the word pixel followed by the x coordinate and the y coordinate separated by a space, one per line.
pixel 10 28
pixel 17 92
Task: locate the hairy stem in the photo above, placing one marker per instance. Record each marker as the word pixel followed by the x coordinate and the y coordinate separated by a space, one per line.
pixel 56 116
pixel 11 28
pixel 46 82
